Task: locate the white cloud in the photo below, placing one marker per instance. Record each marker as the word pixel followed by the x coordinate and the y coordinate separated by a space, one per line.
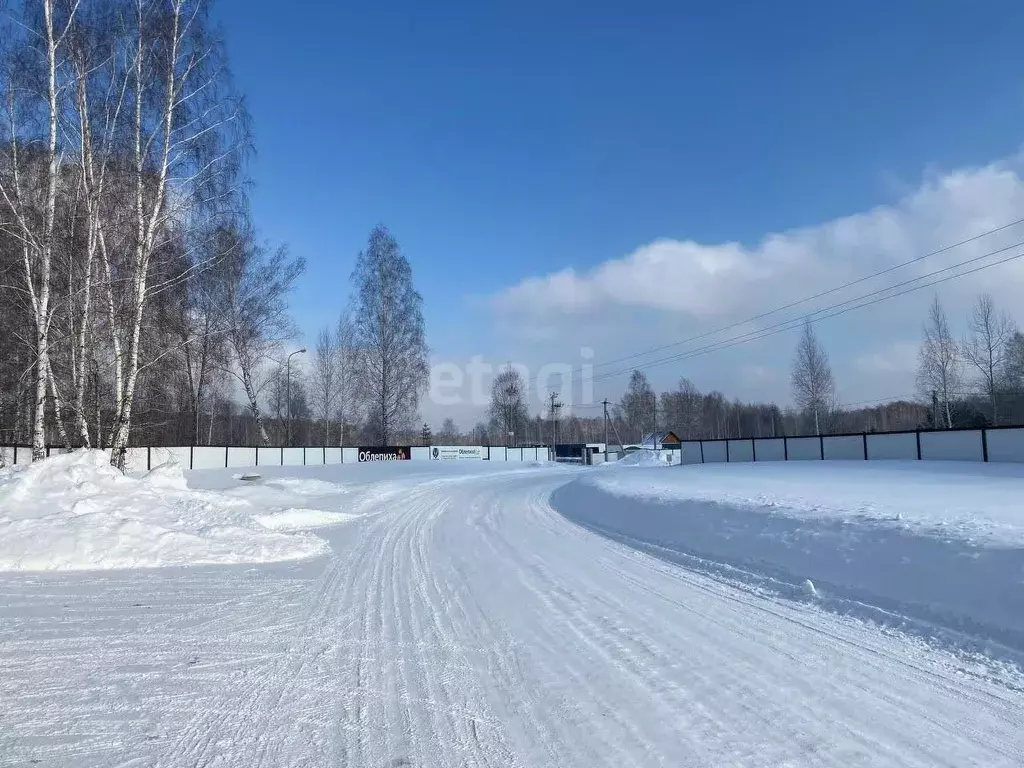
pixel 669 290
pixel 896 357
pixel 716 280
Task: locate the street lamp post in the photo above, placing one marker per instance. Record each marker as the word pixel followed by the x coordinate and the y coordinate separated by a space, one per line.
pixel 288 393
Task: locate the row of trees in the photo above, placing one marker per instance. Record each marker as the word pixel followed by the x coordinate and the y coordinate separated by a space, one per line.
pixel 137 303
pixel 120 180
pixel 974 381
pixel 984 369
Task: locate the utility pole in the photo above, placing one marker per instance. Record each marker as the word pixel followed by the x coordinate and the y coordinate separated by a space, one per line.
pixel 605 404
pixel 555 407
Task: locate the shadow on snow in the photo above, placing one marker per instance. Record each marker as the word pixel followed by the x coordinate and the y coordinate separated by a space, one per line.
pixel 961 596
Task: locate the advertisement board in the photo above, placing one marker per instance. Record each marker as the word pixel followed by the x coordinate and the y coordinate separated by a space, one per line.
pixel 448 452
pixel 385 453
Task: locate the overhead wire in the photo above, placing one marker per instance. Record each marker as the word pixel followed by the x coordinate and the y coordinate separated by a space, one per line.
pixel 821 294
pixel 792 323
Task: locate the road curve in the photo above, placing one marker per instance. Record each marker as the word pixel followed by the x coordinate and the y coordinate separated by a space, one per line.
pixel 466 623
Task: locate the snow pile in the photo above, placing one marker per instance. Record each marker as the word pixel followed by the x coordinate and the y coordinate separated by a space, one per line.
pixel 644 458
pixel 75 511
pixel 297 519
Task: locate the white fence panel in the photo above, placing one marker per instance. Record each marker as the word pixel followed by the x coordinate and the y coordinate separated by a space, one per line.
pixel 314 455
pixel 6 456
pixel 23 455
pixel 268 457
pixel 135 460
pixel 769 449
pixel 890 446
pixel 180 455
pixel 1005 444
pixel 291 457
pixel 714 451
pixel 803 448
pixel 241 457
pixel 952 446
pixel 419 453
pixel 349 455
pixel 741 450
pixel 333 456
pixel 691 452
pixel 207 457
pixel 846 447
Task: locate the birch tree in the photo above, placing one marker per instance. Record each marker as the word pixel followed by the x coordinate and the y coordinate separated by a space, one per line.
pixel 324 377
pixel 253 286
pixel 638 404
pixel 187 133
pixel 347 373
pixel 985 348
pixel 814 388
pixel 35 85
pixel 508 412
pixel 389 336
pixel 940 365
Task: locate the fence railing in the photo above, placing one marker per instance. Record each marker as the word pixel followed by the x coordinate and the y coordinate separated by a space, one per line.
pixel 241 457
pixel 988 444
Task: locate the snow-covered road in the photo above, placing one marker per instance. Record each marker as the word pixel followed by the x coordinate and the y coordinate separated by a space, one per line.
pixel 464 622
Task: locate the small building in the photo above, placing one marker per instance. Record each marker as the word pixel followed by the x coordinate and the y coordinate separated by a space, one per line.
pixel 655 442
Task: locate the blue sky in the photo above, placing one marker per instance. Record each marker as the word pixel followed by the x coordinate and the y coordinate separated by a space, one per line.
pixel 504 141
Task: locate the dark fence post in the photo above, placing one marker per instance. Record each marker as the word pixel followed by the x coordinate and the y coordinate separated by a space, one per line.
pixel 149 458
pixel 726 451
pixel 15 453
pixel 225 457
pixel 865 436
pixel 701 451
pixel 282 455
pixel 257 455
pixel 303 455
pixel 821 446
pixel 785 448
pixel 984 444
pixel 191 451
pixel 753 449
pixel 918 435
pixel 325 455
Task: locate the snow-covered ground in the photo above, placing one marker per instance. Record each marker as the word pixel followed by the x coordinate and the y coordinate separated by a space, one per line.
pixel 966 500
pixel 456 618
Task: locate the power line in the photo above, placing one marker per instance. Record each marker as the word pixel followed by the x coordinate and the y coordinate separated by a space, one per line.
pixel 792 323
pixel 828 292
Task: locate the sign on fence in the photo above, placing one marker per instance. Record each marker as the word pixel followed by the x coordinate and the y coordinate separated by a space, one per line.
pixel 447 452
pixel 389 453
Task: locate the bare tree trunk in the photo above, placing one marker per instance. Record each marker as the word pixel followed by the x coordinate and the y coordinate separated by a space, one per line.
pixel 254 405
pixel 146 222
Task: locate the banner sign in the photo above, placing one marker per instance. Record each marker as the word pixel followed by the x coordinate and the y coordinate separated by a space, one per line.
pixel 388 453
pixel 447 452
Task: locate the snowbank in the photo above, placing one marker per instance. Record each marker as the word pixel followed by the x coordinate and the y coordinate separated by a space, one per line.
pixel 75 511
pixel 965 500
pixel 935 548
pixel 643 458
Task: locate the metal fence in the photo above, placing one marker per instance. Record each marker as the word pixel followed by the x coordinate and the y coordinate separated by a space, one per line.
pixel 232 456
pixel 990 444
